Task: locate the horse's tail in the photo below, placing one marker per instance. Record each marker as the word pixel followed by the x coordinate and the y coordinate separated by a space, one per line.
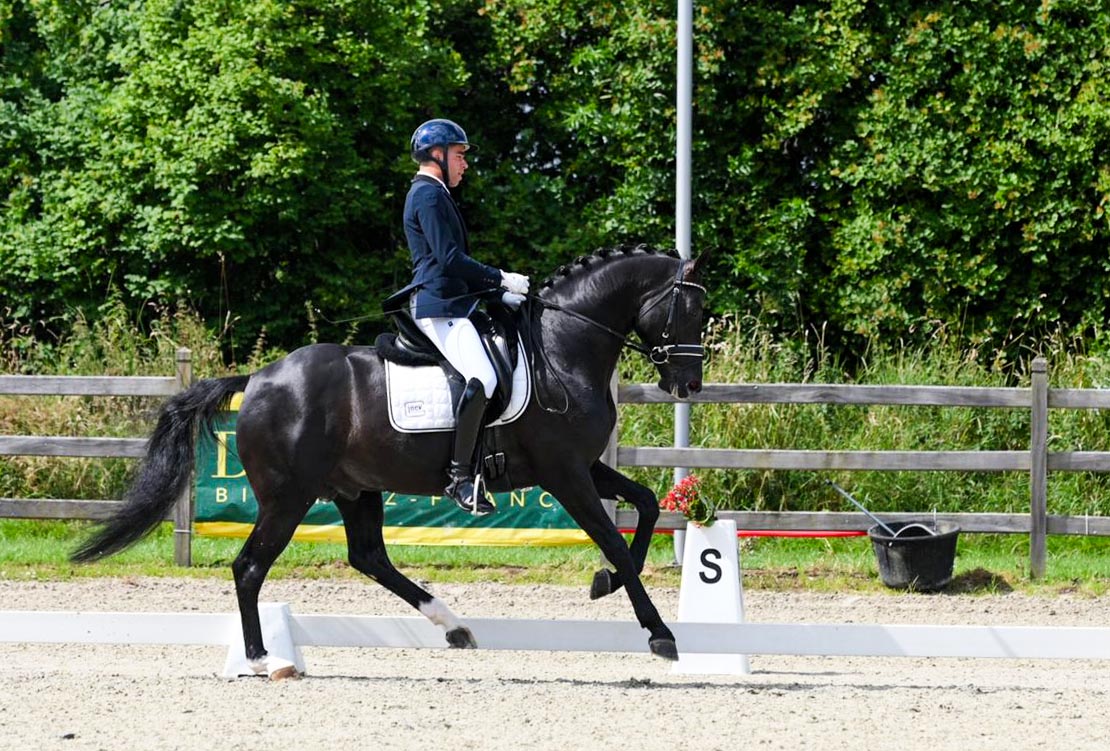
pixel 164 473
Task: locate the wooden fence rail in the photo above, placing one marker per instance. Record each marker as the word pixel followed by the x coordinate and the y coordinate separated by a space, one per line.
pixel 37 508
pixel 1037 461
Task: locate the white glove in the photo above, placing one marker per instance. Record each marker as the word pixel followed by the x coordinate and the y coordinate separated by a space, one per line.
pixel 517 283
pixel 512 299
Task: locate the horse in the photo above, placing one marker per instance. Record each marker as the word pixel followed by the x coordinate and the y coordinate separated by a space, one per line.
pixel 314 424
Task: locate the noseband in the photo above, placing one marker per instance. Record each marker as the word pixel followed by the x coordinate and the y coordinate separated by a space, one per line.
pixel 664 352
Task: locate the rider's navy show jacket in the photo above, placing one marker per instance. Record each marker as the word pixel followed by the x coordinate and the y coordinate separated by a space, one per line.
pixel 448 283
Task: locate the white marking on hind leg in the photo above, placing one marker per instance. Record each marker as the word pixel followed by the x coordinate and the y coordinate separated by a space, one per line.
pixel 438 613
pixel 273 667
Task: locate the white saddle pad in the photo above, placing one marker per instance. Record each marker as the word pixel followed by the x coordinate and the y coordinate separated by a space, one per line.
pixel 420 400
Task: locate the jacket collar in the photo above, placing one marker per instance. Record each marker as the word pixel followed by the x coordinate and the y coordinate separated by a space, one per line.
pixel 430 179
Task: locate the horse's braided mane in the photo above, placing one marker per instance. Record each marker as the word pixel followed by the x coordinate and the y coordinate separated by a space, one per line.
pixel 601 256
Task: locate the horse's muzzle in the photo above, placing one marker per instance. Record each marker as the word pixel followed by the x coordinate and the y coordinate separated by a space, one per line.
pixel 690 387
pixel 680 388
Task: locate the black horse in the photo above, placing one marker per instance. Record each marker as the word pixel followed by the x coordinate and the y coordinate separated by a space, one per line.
pixel 315 425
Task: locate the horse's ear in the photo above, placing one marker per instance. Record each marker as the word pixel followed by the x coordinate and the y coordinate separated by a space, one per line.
pixel 696 268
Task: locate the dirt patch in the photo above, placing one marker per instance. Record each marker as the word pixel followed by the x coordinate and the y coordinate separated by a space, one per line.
pixel 114 697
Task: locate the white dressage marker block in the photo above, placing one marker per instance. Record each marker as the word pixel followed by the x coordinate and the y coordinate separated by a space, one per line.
pixel 710 592
pixel 277 635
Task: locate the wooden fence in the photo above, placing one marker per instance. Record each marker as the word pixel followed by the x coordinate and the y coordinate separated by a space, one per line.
pixel 1037 461
pixel 134 448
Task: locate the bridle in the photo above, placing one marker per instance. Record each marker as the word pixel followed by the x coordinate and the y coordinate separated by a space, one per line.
pixel 658 355
pixel 663 353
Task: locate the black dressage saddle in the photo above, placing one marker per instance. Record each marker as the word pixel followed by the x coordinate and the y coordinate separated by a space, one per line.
pixel 411 347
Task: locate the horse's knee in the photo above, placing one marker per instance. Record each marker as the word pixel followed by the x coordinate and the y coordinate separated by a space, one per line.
pixel 245 572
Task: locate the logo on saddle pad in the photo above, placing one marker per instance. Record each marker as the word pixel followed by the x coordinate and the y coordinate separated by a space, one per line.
pixel 420 399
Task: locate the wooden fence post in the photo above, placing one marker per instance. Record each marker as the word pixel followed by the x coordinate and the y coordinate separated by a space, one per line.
pixel 609 456
pixel 183 508
pixel 1038 469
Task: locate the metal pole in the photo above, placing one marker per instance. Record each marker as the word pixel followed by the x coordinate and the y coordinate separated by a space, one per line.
pixel 683 152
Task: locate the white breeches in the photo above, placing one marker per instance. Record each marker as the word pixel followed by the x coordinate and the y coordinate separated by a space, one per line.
pixel 459 342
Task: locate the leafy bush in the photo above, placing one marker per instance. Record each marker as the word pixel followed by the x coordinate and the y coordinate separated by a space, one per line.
pixel 890 168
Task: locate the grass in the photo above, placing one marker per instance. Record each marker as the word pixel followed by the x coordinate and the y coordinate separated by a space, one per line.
pixel 985 564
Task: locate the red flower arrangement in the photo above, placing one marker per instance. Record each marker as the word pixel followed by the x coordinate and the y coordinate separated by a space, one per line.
pixel 685 498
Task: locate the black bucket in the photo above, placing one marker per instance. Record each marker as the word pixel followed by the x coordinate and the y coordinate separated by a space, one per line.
pixel 915 558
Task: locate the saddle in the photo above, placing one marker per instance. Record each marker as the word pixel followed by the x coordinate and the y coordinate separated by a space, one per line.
pixel 411 348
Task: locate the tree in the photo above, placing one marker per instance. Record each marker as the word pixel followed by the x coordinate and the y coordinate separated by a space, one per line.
pixel 244 156
pixel 882 166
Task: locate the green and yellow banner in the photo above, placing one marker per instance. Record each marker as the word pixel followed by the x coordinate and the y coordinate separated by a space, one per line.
pixel 225 506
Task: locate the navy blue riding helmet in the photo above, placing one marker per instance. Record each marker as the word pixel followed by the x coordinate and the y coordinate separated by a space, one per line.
pixel 438 132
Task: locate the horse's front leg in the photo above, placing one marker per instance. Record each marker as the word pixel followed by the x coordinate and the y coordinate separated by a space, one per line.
pixel 576 492
pixel 612 484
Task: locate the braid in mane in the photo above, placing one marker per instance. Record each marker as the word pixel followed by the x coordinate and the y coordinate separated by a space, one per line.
pixel 602 255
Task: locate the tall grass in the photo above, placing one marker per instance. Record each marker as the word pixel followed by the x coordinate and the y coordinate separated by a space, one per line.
pixel 741 350
pixel 115 344
pixel 744 351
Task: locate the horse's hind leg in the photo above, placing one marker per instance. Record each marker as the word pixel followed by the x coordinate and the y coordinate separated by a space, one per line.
pixel 271 534
pixel 612 484
pixel 362 520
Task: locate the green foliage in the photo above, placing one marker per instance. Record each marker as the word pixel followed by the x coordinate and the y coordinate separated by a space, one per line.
pixel 882 169
pixel 112 343
pixel 886 167
pixel 243 156
pixel 977 172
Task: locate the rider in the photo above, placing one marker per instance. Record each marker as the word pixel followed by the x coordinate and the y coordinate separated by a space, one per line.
pixel 448 284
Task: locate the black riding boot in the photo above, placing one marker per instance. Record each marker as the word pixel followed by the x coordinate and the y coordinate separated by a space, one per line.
pixel 468 424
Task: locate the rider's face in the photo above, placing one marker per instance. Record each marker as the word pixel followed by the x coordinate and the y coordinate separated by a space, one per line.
pixel 456 162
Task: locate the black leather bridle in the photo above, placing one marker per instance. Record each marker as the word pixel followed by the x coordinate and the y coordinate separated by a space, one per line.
pixel 664 352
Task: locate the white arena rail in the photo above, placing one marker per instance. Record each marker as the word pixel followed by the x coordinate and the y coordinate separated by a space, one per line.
pixel 1015 642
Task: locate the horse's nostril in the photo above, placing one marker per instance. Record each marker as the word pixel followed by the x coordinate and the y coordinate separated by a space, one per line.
pixel 694 385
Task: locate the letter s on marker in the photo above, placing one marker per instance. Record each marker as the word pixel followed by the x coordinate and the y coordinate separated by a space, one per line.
pixel 710 565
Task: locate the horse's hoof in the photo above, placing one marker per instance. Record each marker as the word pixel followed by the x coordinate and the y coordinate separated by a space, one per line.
pixel 274 668
pixel 665 648
pixel 461 638
pixel 602 584
pixel 289 672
